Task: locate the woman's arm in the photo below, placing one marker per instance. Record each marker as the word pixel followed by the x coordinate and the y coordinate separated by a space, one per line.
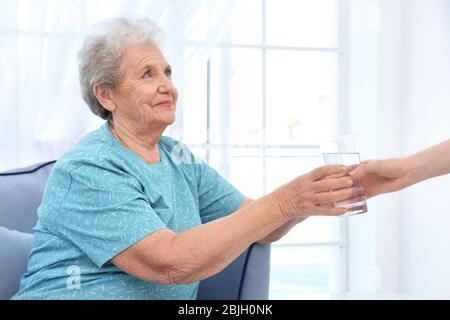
pixel 382 176
pixel 278 233
pixel 195 254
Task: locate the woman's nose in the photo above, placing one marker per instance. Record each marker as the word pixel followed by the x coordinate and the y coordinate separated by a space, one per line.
pixel 162 88
pixel 165 87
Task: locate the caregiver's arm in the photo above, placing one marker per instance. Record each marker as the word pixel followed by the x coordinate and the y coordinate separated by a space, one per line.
pixel 195 254
pixel 432 162
pixel 278 233
pixel 383 176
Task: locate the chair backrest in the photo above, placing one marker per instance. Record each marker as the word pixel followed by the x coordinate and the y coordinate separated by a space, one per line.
pixel 21 193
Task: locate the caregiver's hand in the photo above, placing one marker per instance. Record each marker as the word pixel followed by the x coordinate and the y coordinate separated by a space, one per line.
pixel 314 193
pixel 382 176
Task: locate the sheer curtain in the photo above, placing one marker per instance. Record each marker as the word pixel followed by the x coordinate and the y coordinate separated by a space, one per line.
pixel 41 110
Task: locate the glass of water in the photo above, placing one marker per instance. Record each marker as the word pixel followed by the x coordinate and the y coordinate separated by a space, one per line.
pixel 343 149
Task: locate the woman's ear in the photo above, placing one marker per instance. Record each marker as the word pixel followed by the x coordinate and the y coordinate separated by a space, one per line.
pixel 104 97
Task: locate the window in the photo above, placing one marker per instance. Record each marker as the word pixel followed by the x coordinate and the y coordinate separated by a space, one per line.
pixel 256 110
pixel 254 107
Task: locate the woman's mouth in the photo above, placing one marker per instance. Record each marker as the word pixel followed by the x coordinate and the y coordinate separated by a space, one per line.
pixel 164 104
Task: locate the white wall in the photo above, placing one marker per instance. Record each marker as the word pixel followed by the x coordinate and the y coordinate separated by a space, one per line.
pixel 399 103
pixel 425 208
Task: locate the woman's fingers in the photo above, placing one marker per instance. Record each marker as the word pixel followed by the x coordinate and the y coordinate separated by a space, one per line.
pixel 338 175
pixel 322 172
pixel 325 198
pixel 329 184
pixel 329 211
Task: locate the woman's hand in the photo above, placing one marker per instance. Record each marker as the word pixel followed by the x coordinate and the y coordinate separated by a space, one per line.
pixel 382 176
pixel 316 192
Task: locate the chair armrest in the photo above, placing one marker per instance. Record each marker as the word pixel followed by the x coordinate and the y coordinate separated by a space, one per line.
pixel 246 278
pixel 256 276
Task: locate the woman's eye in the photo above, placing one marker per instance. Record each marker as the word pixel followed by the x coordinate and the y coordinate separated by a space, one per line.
pixel 169 73
pixel 147 75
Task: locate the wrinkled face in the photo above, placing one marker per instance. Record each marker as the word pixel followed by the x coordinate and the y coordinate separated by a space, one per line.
pixel 145 98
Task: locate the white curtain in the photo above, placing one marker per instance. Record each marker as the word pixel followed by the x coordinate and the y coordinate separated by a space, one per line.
pixel 41 110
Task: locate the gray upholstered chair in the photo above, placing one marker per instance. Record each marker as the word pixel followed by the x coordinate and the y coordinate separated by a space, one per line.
pixel 20 195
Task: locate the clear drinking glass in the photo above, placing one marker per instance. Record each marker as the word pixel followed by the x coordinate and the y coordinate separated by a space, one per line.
pixel 343 149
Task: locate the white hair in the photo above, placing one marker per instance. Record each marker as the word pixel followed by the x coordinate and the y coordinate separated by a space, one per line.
pixel 101 57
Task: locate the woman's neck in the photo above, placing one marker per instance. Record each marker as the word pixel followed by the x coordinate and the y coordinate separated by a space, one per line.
pixel 144 146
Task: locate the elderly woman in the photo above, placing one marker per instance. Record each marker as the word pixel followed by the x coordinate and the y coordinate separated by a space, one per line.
pixel 122 217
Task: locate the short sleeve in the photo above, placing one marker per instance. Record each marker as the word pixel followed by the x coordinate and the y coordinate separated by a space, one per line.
pixel 104 212
pixel 217 197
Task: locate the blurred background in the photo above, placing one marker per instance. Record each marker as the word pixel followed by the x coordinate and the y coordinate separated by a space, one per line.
pixel 261 82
